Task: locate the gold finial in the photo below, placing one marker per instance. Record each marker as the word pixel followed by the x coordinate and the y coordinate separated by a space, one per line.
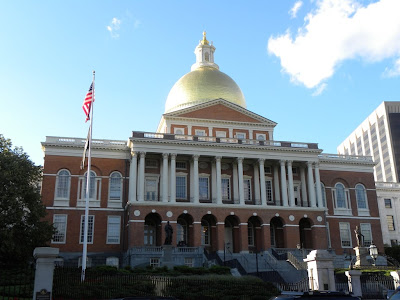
pixel 204 41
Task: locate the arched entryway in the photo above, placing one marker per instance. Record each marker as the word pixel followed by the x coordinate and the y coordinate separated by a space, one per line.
pixel 152 234
pixel 231 237
pixel 254 236
pixel 184 230
pixel 208 232
pixel 276 231
pixel 305 233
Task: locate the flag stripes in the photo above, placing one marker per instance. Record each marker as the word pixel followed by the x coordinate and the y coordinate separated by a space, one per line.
pixel 87 103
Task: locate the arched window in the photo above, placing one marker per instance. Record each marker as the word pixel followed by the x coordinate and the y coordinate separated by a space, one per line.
pixel 63 184
pixel 205 232
pixel 182 231
pixel 340 196
pixel 361 197
pixel 94 190
pixel 149 233
pixel 115 191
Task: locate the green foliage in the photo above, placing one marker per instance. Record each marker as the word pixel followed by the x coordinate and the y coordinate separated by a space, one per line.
pixel 22 228
pixel 393 252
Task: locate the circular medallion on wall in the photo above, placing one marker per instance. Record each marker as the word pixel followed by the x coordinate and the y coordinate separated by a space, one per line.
pixel 185 211
pixel 232 213
pixel 305 216
pixel 291 218
pixel 276 215
pixel 319 219
pixel 203 165
pixel 153 210
pixel 209 212
pixel 225 166
pixel 169 214
pixel 136 213
pixel 254 214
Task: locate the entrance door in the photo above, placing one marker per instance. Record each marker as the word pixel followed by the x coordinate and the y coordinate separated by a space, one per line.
pixel 228 237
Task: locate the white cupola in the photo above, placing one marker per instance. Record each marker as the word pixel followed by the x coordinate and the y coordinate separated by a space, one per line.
pixel 204 54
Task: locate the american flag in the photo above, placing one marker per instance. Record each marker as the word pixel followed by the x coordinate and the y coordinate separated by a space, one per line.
pixel 87 103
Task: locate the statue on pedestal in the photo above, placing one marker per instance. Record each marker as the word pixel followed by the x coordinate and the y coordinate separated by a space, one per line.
pixel 359 237
pixel 168 234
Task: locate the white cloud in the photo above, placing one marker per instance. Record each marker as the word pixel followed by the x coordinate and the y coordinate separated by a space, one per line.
pixel 339 30
pixel 319 89
pixel 293 11
pixel 114 27
pixel 394 71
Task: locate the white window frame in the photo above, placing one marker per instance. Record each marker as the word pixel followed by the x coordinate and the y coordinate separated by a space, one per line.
pixel 60 200
pixel 200 132
pixel 113 238
pixel 60 228
pixel 250 234
pixel 155 262
pixel 205 233
pixel 183 175
pixel 90 230
pixel 365 230
pixel 267 170
pixel 342 226
pixel 179 130
pixel 341 210
pixel 389 202
pixel 240 135
pixel 229 188
pixel 155 178
pixel 188 261
pixel 151 163
pixel 269 199
pixel 93 201
pixel 247 191
pixel 391 217
pixel 115 202
pixel 183 165
pixel 220 134
pixel 261 137
pixel 362 211
pixel 205 176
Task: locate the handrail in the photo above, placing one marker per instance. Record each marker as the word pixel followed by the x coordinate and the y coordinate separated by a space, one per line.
pixel 295 262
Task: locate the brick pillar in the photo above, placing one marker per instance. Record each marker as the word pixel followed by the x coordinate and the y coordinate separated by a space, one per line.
pixel 243 241
pixel 220 236
pixel 136 234
pixel 292 236
pixel 196 234
pixel 266 236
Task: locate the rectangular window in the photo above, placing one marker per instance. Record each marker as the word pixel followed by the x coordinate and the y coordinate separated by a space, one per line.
pixel 267 169
pixel 203 188
pixel 240 135
pixel 113 229
pixel 90 229
pixel 181 187
pixel 221 134
pixel 189 262
pixel 393 243
pixel 60 225
pixel 366 232
pixel 268 189
pixel 151 189
pixel 199 132
pixel 390 223
pixel 225 186
pixel 181 165
pixel 345 236
pixel 154 262
pixel 247 189
pixel 388 203
pixel 151 163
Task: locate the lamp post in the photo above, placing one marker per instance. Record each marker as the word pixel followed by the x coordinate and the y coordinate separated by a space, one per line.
pixel 373 251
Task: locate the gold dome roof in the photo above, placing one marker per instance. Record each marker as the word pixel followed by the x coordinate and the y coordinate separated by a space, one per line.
pixel 202 85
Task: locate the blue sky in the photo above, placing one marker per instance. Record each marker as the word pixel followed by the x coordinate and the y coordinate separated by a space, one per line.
pixel 317 68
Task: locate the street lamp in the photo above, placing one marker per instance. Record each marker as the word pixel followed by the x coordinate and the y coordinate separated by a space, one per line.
pixel 373 251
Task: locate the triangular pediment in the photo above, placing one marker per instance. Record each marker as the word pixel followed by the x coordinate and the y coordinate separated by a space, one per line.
pixel 220 110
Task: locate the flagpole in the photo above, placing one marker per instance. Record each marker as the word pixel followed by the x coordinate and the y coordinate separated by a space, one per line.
pixel 87 194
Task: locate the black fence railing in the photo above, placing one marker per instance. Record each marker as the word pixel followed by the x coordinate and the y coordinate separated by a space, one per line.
pixel 16 282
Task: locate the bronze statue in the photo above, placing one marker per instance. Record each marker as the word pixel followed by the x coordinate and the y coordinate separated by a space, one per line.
pixel 168 234
pixel 359 237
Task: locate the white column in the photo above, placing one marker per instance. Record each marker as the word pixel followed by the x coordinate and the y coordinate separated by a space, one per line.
pixel 141 176
pixel 318 185
pixel 165 178
pixel 276 186
pixel 291 186
pixel 311 191
pixel 283 184
pixel 303 186
pixel 191 182
pixel 262 182
pixel 133 178
pixel 196 178
pixel 256 184
pixel 210 131
pixel 240 179
pixel 173 178
pixel 235 182
pixel 213 182
pixel 218 176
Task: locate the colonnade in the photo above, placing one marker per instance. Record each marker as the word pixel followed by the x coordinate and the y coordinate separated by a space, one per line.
pixel 284 192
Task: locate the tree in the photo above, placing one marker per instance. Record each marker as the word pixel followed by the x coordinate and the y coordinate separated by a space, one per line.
pixel 22 227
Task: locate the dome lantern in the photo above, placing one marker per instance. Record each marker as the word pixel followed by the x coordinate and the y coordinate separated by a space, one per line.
pixel 204 54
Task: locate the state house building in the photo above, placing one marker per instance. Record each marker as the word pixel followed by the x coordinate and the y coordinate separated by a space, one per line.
pixel 213 170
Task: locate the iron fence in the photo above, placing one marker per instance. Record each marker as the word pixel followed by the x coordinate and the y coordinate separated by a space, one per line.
pixel 375 285
pixel 16 282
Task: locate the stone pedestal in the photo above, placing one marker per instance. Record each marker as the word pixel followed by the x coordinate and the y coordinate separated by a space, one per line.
pixel 320 270
pixel 361 254
pixel 396 278
pixel 353 277
pixel 167 257
pixel 45 257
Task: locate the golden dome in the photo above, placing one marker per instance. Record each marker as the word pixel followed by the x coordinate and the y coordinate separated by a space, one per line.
pixel 202 85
